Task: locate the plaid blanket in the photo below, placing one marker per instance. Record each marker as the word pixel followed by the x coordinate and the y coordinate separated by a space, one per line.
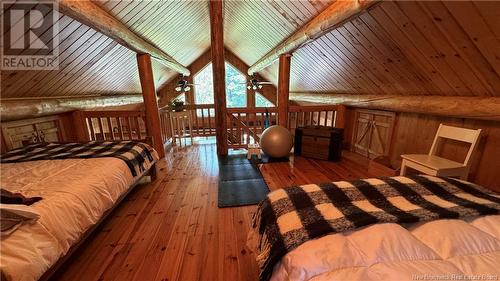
pixel 291 216
pixel 135 154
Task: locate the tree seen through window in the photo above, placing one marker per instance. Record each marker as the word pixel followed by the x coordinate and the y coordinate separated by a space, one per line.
pixel 236 93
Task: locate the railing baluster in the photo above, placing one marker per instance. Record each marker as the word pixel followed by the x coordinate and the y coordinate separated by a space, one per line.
pixel 235 130
pixel 248 127
pixel 110 128
pixel 203 120
pixel 254 122
pixel 231 125
pixel 195 122
pixel 120 129
pixel 91 127
pixel 101 130
pixel 229 130
pixel 129 122
pixel 168 130
pixel 211 116
pixel 239 129
pixel 295 119
pixel 166 124
pixel 137 127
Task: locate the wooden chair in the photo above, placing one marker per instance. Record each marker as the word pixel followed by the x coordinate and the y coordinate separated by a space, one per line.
pixel 437 166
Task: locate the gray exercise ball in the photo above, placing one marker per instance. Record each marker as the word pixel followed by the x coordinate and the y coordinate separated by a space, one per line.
pixel 276 141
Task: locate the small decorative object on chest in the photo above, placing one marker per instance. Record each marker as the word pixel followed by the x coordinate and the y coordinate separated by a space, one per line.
pixel 319 142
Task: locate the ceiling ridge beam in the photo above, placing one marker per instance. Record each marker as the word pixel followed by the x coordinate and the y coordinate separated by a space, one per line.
pixel 334 15
pixel 95 17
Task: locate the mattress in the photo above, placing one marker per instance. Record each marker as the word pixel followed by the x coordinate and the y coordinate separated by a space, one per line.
pixel 76 193
pixel 447 249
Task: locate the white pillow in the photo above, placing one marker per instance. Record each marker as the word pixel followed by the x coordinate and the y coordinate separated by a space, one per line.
pixel 13 216
pixel 22 210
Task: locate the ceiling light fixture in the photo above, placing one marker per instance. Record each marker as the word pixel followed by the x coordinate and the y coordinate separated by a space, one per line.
pixel 183 85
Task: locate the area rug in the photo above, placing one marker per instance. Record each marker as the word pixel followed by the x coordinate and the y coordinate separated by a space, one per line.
pixel 266 159
pixel 240 182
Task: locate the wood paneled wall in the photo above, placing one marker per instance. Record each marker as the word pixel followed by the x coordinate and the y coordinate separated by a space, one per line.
pixel 167 91
pixel 414 133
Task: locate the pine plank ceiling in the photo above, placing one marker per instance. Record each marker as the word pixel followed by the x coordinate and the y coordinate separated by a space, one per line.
pixel 93 64
pixel 407 47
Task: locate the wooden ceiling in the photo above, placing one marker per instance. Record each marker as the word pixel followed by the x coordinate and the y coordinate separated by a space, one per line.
pixel 406 47
pixel 252 28
pixel 93 64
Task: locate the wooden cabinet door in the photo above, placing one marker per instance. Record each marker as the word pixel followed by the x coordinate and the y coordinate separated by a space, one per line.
pixel 373 133
pixel 362 133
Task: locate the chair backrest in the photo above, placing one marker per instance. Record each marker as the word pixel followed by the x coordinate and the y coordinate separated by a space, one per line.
pixel 455 133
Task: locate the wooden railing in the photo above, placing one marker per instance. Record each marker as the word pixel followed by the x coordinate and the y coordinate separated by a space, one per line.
pixel 316 115
pixel 245 125
pixel 203 121
pixel 110 125
pixel 165 125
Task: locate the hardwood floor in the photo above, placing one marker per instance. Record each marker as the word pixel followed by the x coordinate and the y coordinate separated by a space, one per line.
pixel 172 229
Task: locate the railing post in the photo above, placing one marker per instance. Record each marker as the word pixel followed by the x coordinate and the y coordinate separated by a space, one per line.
pixel 80 126
pixel 150 102
pixel 283 89
pixel 340 116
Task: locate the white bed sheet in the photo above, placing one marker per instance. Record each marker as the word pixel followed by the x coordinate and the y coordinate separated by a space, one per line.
pixel 76 193
pixel 437 250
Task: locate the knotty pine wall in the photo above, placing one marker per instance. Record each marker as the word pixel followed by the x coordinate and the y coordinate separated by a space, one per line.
pixel 414 133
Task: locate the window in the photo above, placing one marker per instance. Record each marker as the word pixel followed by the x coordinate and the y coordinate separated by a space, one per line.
pixel 236 88
pixel 204 86
pixel 261 101
pixel 236 93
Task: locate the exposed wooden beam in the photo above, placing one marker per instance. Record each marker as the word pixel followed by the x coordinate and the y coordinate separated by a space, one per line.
pixel 283 89
pixel 16 109
pixel 150 102
pixel 333 16
pixel 219 73
pixel 93 16
pixel 454 106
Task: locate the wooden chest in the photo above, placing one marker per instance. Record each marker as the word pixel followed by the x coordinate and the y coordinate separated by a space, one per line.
pixel 319 142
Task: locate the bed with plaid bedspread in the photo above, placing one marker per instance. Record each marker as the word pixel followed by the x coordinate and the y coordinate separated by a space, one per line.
pixel 291 216
pixel 134 154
